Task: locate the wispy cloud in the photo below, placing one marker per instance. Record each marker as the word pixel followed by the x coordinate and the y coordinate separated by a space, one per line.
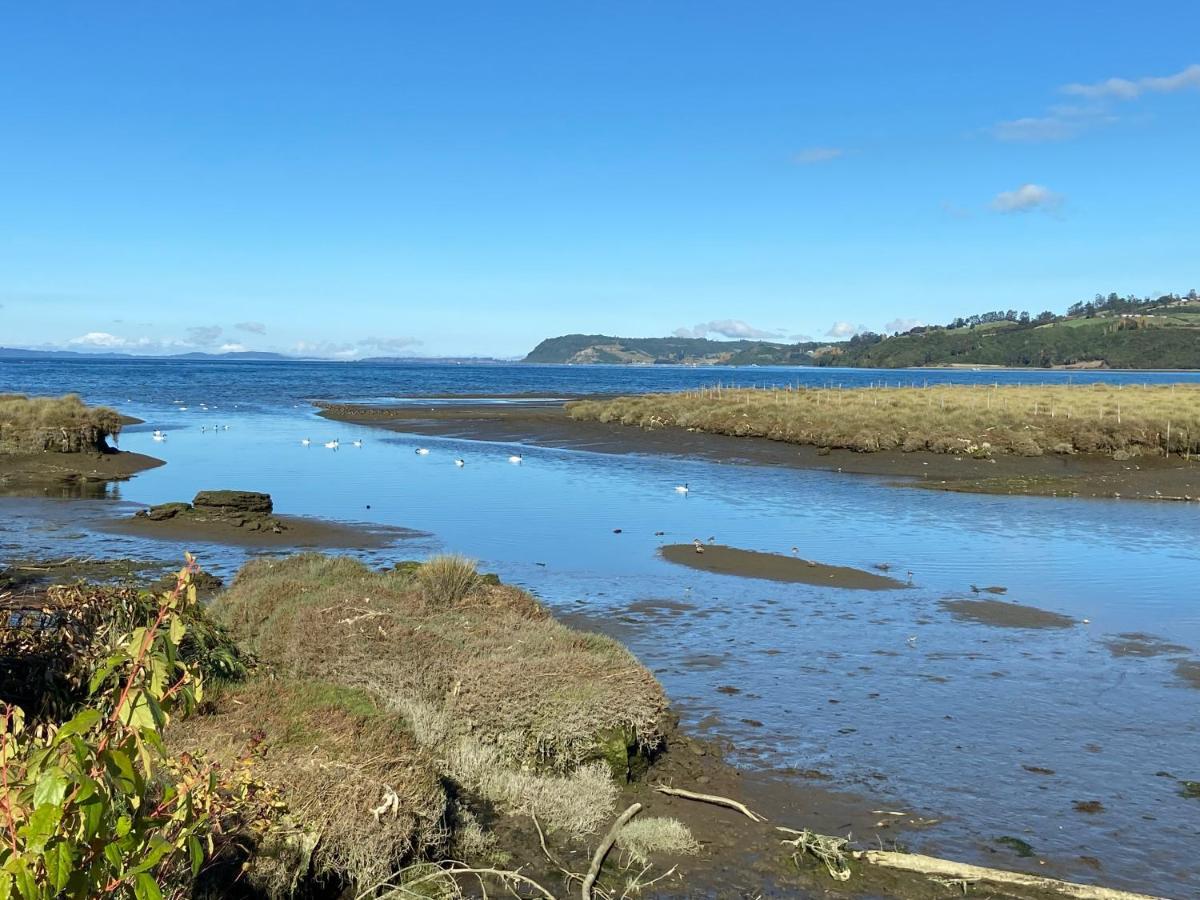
pixel 812 155
pixel 844 330
pixel 1131 89
pixel 389 345
pixel 1065 121
pixel 730 328
pixel 204 335
pixel 251 327
pixel 901 325
pixel 1027 198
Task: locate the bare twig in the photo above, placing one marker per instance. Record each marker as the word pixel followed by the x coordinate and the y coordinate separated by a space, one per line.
pixel 711 798
pixel 602 851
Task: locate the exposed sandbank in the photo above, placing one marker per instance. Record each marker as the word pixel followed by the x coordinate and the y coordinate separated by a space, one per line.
pixel 299 533
pixel 548 425
pixel 48 471
pixel 1005 614
pixel 774 567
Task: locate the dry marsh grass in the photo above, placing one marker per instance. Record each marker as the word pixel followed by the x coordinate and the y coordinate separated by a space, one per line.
pixel 973 420
pixel 515 705
pixel 648 836
pixel 362 798
pixel 59 424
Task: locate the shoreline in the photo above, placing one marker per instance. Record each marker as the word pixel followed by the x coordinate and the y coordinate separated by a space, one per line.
pixel 549 425
pixel 41 472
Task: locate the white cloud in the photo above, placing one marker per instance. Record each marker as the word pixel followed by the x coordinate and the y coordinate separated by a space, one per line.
pixel 813 155
pixel 204 335
pixel 1126 89
pixel 1062 122
pixel 730 328
pixel 844 330
pixel 388 345
pixel 102 339
pixel 251 327
pixel 800 338
pixel 902 325
pixel 232 348
pixel 1026 198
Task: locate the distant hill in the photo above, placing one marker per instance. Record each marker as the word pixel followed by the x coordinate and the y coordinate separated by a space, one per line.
pixel 1108 332
pixel 599 348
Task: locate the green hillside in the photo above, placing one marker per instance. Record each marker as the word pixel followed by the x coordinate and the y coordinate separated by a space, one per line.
pixel 1113 332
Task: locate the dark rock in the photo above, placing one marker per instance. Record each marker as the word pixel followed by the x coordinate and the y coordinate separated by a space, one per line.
pixel 164 511
pixel 246 502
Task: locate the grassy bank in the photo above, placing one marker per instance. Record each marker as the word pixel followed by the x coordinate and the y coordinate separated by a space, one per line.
pixel 966 420
pixel 55 424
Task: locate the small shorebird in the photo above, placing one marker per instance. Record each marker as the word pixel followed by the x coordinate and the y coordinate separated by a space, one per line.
pixel 333 445
pixel 356 443
pixel 422 451
pixel 460 462
pixel 698 545
pixel 682 488
pixel 515 458
pixel 304 442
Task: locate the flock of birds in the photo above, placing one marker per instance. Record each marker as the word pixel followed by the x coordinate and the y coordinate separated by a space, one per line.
pixel 515 458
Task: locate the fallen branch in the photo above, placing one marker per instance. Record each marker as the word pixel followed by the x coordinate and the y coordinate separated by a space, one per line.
pixel 602 851
pixel 944 868
pixel 711 798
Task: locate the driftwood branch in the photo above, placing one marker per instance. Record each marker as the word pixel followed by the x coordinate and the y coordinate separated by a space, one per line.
pixel 711 798
pixel 602 851
pixel 944 868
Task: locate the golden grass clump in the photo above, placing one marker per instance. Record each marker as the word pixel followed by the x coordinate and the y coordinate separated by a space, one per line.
pixel 449 578
pixel 361 797
pixel 491 665
pixel 647 836
pixel 975 420
pixel 55 424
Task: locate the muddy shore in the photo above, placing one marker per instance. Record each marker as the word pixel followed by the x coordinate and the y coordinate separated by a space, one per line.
pixel 724 560
pixel 547 424
pixel 299 533
pixel 48 473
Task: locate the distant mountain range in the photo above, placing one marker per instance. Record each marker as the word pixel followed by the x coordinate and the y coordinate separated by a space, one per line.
pixel 1108 332
pixel 246 356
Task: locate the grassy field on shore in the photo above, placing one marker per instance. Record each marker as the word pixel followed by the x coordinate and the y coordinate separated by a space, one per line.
pixel 1112 420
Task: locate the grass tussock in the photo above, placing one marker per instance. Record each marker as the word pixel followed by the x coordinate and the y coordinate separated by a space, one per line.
pixel 649 836
pixel 361 798
pixel 971 420
pixel 55 424
pixel 448 579
pixel 515 705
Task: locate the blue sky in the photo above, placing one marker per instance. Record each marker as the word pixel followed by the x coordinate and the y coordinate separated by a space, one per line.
pixel 453 178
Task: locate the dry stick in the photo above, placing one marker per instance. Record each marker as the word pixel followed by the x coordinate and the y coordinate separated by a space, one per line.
pixel 602 851
pixel 711 798
pixel 930 865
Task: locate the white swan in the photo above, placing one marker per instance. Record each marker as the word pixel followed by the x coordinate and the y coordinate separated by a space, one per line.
pixel 515 458
pixel 332 445
pixel 422 451
pixel 356 443
pixel 460 462
pixel 159 435
pixel 682 488
pixel 305 442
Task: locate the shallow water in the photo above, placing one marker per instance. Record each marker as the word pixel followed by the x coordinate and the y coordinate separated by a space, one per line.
pixel 885 692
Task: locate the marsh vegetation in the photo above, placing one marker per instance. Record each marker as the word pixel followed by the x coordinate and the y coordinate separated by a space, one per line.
pixel 979 421
pixel 56 424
